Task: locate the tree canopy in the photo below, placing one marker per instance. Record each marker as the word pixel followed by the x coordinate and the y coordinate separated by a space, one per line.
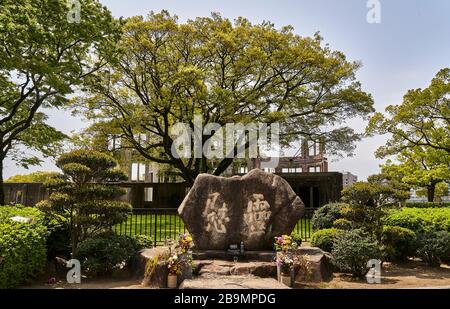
pixel 419 139
pixel 165 72
pixel 421 169
pixel 38 177
pixel 43 58
pixel 423 119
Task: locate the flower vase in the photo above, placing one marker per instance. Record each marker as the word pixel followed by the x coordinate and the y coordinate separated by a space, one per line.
pixel 278 267
pixel 172 281
pixel 286 279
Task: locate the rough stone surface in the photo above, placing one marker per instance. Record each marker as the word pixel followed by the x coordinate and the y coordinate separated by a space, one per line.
pixel 254 208
pixel 232 282
pixel 262 256
pixel 153 276
pixel 208 269
pixel 320 266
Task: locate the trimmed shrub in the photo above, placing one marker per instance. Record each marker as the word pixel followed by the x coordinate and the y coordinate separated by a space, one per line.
pixel 86 197
pixel 420 220
pixel 106 253
pixel 343 224
pixel 428 205
pixel 22 246
pixel 398 243
pixel 325 238
pixel 434 247
pixel 353 249
pixel 324 217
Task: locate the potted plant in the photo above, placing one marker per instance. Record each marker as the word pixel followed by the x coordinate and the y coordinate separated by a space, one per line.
pixel 285 262
pixel 175 269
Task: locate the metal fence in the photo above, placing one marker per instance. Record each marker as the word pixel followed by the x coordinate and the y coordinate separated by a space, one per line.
pixel 165 223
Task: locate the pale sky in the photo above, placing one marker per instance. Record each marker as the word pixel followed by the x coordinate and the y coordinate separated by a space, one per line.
pixel 404 51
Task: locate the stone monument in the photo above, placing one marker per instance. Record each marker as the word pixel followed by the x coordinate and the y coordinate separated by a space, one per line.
pixel 251 209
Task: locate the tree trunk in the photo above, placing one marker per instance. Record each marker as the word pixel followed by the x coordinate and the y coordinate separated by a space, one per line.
pixel 2 189
pixel 430 192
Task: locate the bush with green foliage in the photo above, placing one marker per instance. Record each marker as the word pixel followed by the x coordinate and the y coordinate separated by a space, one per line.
pixel 420 220
pixel 324 239
pixel 353 249
pixel 37 177
pixel 324 217
pixel 105 253
pixel 22 246
pixel 398 243
pixel 369 201
pixel 434 247
pixel 428 205
pixel 143 241
pixel 82 197
pixel 343 224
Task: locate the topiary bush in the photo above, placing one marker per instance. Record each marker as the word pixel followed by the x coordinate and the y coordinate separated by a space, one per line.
pixel 434 247
pixel 420 220
pixel 343 224
pixel 325 238
pixel 22 246
pixel 398 243
pixel 85 197
pixel 108 252
pixel 353 249
pixel 324 217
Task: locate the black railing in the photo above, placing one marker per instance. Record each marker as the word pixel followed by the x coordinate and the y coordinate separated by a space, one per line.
pixel 165 223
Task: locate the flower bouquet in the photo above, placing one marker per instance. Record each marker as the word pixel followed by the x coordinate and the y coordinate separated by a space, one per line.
pixel 285 243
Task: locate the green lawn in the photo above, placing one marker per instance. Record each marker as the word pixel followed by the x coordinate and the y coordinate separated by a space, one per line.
pixel 168 226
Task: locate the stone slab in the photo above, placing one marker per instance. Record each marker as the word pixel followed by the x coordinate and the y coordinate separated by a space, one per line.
pixel 253 209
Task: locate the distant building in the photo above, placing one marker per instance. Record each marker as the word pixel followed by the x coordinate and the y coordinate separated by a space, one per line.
pixel 348 179
pixel 309 159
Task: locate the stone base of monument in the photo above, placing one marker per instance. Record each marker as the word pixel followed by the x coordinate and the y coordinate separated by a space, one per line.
pixel 220 274
pixel 216 269
pixel 262 256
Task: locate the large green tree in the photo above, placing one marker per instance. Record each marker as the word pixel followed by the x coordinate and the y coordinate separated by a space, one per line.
pixel 227 72
pixel 421 169
pixel 44 56
pixel 419 141
pixel 423 119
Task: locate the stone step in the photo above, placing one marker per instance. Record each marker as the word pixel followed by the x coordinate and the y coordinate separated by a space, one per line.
pixel 212 268
pixel 232 282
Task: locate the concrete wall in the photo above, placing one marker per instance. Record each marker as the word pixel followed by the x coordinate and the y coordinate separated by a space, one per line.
pixel 315 189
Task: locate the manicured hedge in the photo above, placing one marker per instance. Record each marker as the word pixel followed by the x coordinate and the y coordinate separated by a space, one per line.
pixel 325 238
pixel 420 220
pixel 353 249
pixel 398 243
pixel 428 205
pixel 22 246
pixel 324 217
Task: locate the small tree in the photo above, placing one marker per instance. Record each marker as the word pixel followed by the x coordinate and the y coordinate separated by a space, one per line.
pixel 367 202
pixel 81 196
